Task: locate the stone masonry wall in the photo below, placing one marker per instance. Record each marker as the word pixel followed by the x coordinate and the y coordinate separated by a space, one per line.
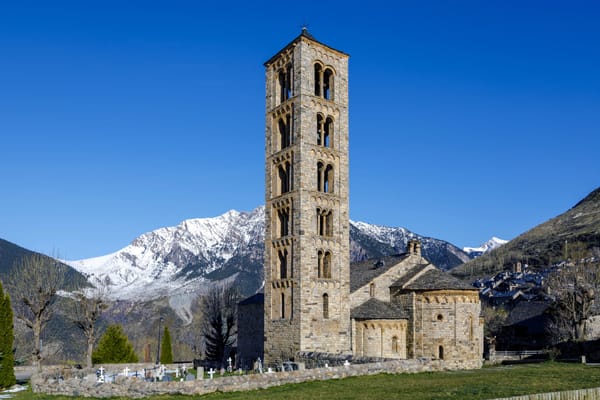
pixel 135 388
pixel 305 312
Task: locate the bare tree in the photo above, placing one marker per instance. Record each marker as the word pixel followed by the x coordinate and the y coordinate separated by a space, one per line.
pixel 220 317
pixel 85 310
pixel 572 290
pixel 35 281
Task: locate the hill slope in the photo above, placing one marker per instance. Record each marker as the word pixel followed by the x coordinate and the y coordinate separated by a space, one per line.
pixel 545 244
pixel 10 253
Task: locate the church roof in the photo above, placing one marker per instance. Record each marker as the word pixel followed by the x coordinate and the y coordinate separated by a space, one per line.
pixel 304 34
pixel 363 272
pixel 428 277
pixel 377 309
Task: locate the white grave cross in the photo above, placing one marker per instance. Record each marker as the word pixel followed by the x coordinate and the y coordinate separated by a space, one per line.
pixel 211 373
pixel 126 371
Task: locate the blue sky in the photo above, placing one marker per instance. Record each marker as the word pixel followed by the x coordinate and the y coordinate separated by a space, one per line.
pixel 468 119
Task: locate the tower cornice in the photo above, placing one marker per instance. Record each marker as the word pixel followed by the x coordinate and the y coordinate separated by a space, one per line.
pixel 307 37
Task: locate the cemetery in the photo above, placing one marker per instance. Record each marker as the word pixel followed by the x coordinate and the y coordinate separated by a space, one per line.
pixel 141 380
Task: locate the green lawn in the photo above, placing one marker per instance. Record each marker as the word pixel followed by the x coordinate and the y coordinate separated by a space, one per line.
pixel 487 383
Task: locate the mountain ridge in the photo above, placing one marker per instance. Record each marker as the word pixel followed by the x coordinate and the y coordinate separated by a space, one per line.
pixel 544 244
pixel 187 257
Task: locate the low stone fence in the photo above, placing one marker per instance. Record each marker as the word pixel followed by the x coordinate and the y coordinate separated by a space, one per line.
pixel 580 394
pixel 87 386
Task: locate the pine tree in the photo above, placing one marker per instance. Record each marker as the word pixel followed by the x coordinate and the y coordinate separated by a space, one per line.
pixel 166 353
pixel 7 359
pixel 114 347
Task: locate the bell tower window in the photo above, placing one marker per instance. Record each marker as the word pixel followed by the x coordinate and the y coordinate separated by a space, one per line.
pixel 284 221
pixel 324 131
pixel 324 82
pixel 325 306
pixel 324 177
pixel 283 263
pixel 284 80
pixel 284 125
pixel 284 172
pixel 324 222
pixel 327 265
pixel 328 84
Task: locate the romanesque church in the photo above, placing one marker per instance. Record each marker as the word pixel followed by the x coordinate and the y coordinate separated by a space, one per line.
pixel 315 301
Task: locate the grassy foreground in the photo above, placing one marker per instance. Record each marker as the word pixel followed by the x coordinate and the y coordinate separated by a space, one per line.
pixel 487 383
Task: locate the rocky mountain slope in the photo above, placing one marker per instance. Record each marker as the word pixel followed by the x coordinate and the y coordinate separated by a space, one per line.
pixel 181 260
pixel 546 243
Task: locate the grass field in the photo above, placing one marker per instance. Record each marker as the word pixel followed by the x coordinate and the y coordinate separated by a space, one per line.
pixel 487 383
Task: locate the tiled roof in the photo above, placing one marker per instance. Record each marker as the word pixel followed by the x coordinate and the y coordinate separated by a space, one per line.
pixel 363 272
pixel 377 309
pixel 422 278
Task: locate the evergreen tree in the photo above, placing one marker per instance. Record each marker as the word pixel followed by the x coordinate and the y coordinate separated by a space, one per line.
pixel 7 358
pixel 166 353
pixel 114 347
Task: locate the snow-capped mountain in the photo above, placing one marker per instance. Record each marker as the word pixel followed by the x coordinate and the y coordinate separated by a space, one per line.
pixel 490 245
pixel 180 262
pixel 371 241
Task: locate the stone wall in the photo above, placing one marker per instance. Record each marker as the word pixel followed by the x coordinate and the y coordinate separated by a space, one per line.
pixel 380 338
pixel 444 324
pixel 303 310
pixel 85 385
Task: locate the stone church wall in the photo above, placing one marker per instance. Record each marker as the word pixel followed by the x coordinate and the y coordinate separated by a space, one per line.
pixel 449 326
pixel 380 338
pixel 383 282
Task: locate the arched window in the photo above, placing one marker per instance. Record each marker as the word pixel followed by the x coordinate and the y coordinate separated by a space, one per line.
pixel 328 84
pixel 320 172
pixel 283 262
pixel 325 306
pixel 324 177
pixel 327 265
pixel 395 346
pixel 285 174
pixel 324 82
pixel 282 305
pixel 318 79
pixel 284 78
pixel 324 222
pixel 471 328
pixel 327 132
pixel 319 264
pixel 320 129
pixel 284 221
pixel 441 352
pixel 372 290
pixel 285 137
pixel 328 179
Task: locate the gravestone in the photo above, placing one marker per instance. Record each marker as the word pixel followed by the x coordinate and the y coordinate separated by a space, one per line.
pixel 200 373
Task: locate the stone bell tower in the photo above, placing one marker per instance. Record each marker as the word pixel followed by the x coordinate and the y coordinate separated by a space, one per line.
pixel 307 268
